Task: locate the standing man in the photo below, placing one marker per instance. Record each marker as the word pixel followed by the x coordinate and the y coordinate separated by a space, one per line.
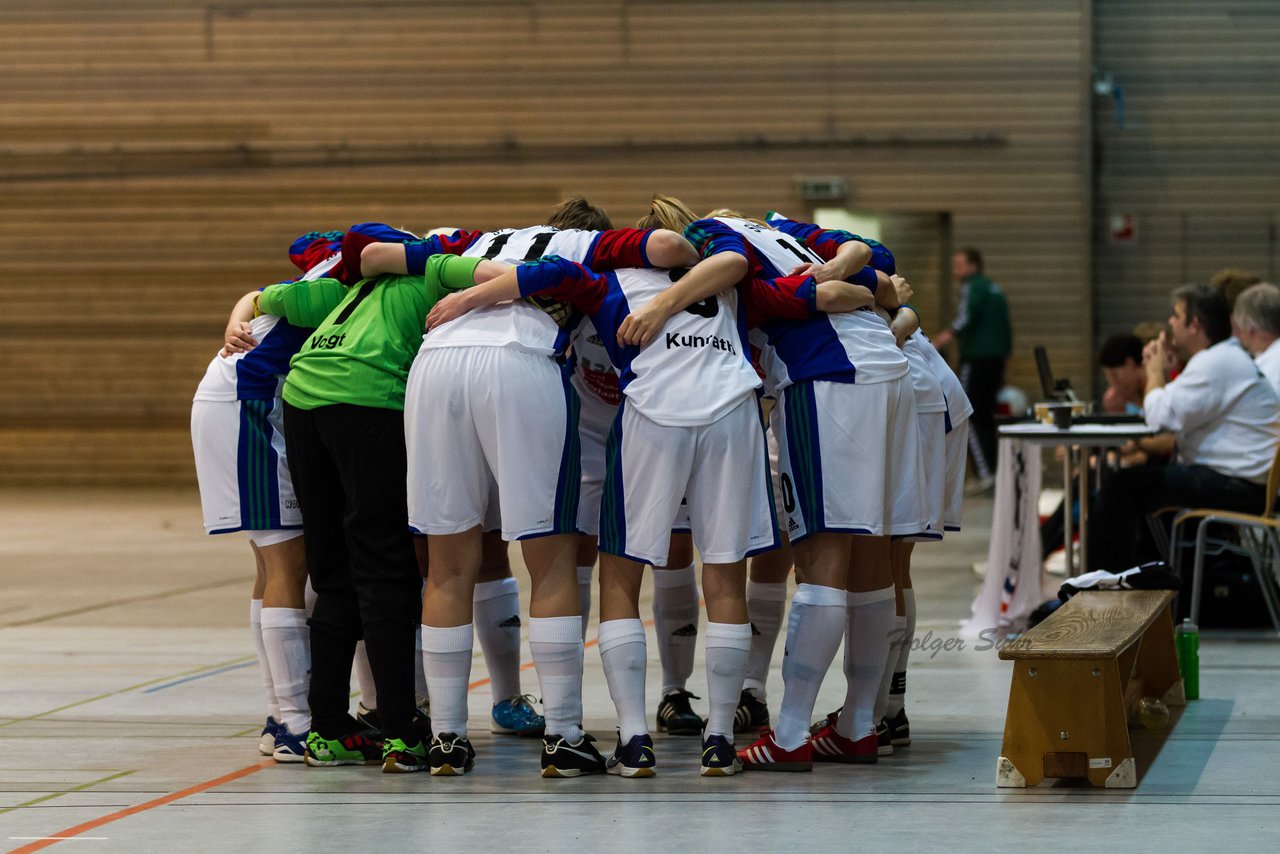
pixel 986 340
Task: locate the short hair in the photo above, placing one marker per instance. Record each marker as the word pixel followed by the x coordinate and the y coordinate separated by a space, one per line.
pixel 577 212
pixel 1208 307
pixel 1258 307
pixel 667 212
pixel 1232 281
pixel 973 256
pixel 1149 330
pixel 1118 348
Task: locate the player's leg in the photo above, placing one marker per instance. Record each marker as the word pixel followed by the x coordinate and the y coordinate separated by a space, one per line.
pixel 286 638
pixel 676 606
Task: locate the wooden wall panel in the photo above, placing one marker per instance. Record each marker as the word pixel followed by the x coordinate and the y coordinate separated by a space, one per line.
pixel 159 156
pixel 1195 160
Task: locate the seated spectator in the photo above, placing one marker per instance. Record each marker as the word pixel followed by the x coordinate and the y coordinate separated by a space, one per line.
pixel 1226 418
pixel 1231 282
pixel 1256 324
pixel 1121 359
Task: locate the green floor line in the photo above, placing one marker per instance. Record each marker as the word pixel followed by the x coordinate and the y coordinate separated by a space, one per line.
pixel 79 788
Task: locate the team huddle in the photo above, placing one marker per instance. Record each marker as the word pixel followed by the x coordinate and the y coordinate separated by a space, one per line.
pixel 749 389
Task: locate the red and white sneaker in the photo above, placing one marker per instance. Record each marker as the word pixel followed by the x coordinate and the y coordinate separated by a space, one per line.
pixel 831 746
pixel 766 755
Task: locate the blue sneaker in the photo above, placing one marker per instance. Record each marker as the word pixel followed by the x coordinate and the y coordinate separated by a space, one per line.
pixel 719 759
pixel 517 717
pixel 633 759
pixel 267 739
pixel 289 747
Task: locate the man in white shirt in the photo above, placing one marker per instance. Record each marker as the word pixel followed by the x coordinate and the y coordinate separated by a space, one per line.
pixel 1225 415
pixel 1256 324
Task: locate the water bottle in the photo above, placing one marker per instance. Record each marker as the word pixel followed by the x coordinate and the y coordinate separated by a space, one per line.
pixel 1187 641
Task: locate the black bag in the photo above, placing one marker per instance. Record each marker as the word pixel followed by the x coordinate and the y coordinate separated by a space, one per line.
pixel 1230 594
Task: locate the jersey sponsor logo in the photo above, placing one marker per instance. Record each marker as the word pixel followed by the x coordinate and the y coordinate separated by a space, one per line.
pixel 327 342
pixel 675 341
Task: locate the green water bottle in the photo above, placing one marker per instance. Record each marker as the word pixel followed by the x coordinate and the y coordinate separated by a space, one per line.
pixel 1187 641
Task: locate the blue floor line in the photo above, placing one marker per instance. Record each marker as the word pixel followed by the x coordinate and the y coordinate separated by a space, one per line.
pixel 200 676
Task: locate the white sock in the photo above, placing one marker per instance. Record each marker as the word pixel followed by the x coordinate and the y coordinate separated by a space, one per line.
pixel 625 658
pixel 675 621
pixel 584 595
pixel 556 644
pixel 496 616
pixel 895 638
pixel 446 657
pixel 288 643
pixel 728 645
pixel 364 677
pixel 309 597
pixel 814 629
pixel 871 618
pixel 766 605
pixel 264 663
pixel 419 675
pixel 898 686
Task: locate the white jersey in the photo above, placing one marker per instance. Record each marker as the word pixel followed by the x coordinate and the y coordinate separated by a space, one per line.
pixel 854 346
pixel 259 374
pixel 924 382
pixel 594 377
pixel 534 325
pixel 958 406
pixel 695 369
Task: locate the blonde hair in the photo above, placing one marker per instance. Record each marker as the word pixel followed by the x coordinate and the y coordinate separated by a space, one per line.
pixel 732 214
pixel 1232 281
pixel 666 212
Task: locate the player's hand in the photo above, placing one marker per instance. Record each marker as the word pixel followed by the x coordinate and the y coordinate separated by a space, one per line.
pixel 641 325
pixel 903 287
pixel 805 269
pixel 450 307
pixel 237 339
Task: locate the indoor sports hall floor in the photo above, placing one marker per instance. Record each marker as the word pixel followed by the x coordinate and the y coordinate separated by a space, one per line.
pixel 130 708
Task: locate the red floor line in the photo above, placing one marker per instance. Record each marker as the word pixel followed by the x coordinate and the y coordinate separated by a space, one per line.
pixel 196 789
pixel 93 824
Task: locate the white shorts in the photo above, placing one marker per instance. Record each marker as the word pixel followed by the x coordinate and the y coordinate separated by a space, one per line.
pixel 721 469
pixel 933 432
pixel 483 417
pixel 241 466
pixel 594 421
pixel 851 457
pixel 957 447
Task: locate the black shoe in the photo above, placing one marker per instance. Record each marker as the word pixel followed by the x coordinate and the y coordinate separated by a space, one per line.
pixel 561 758
pixel 751 716
pixel 719 758
pixel 830 720
pixel 677 717
pixel 451 755
pixel 899 729
pixel 884 743
pixel 633 759
pixel 368 719
pixel 420 726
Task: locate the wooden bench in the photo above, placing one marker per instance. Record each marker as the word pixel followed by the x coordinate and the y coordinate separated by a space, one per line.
pixel 1077 681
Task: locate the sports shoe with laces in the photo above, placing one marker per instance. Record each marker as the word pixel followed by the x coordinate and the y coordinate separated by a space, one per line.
pixel 677 717
pixel 517 716
pixel 766 755
pixel 821 723
pixel 401 758
pixel 562 758
pixel 899 729
pixel 288 746
pixel 719 759
pixel 352 749
pixel 752 715
pixel 267 738
pixel 831 746
pixel 884 743
pixel 633 759
pixel 451 755
pixel 368 718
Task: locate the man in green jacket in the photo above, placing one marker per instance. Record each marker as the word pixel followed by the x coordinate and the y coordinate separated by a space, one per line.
pixel 986 339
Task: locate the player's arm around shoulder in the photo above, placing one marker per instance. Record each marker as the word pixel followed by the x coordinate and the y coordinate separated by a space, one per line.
pixel 302 303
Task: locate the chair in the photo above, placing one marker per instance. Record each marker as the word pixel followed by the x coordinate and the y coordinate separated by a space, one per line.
pixel 1265 556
